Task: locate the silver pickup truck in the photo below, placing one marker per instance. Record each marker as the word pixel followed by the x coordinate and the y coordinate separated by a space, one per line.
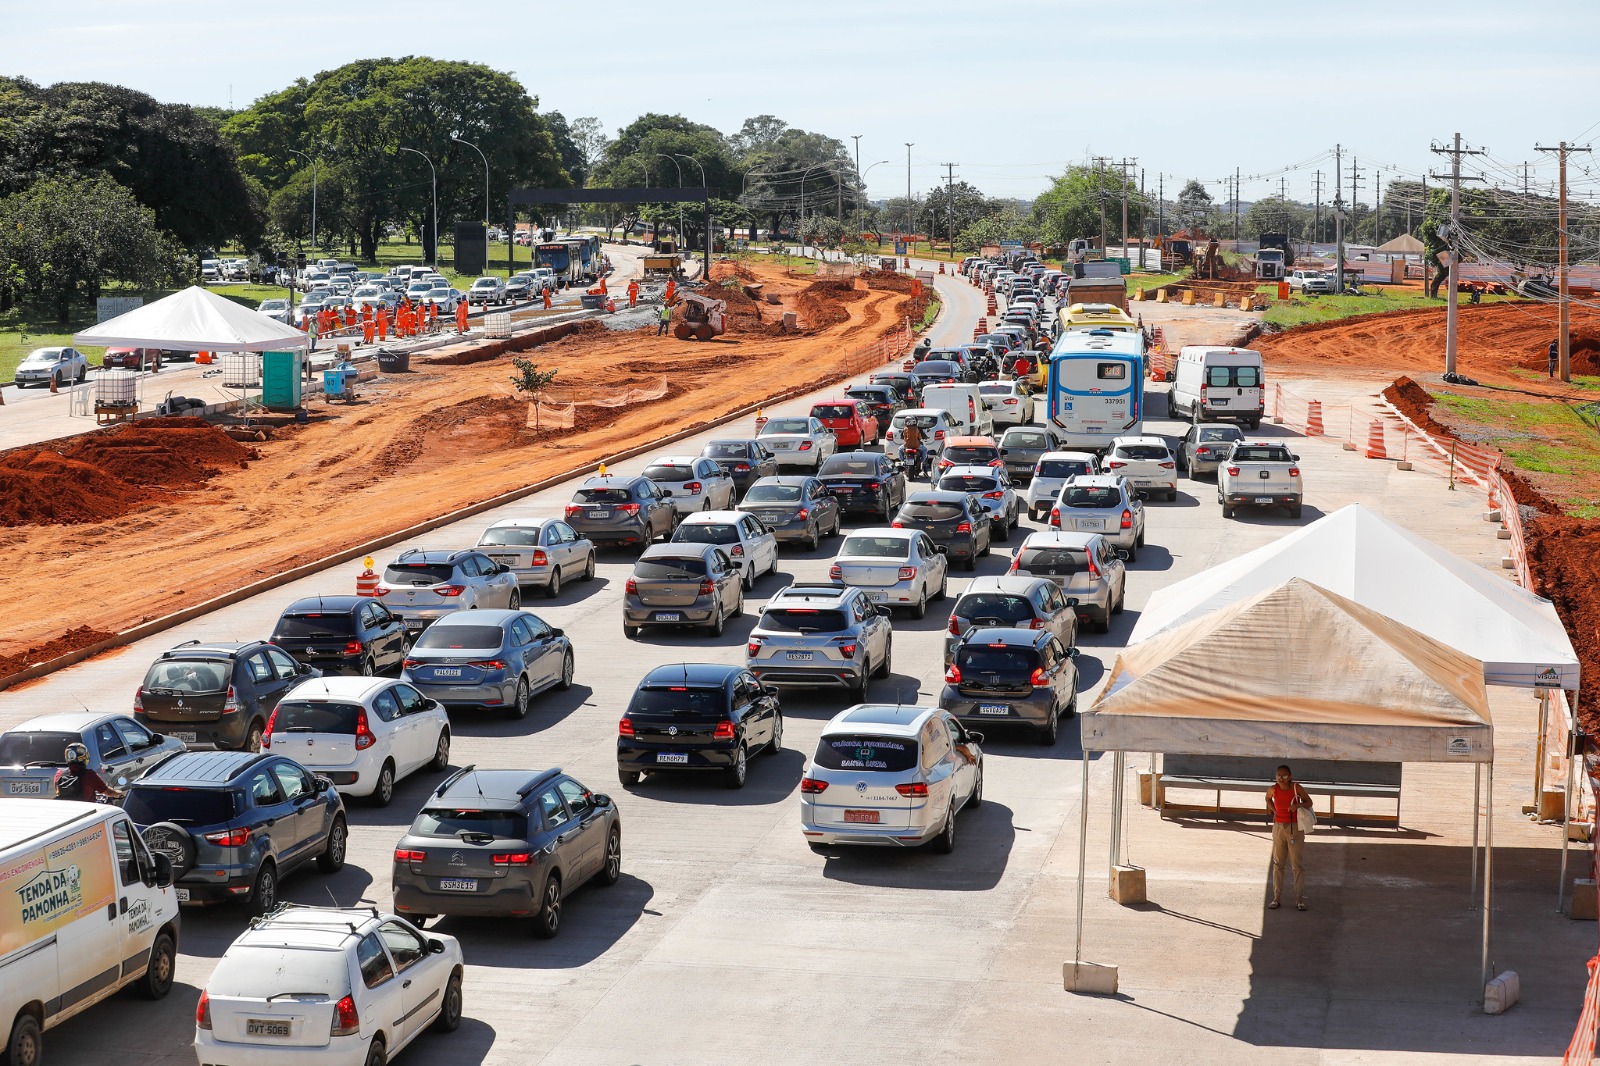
pixel 1259 474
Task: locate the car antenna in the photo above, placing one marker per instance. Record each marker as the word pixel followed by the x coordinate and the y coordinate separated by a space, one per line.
pixel 80 703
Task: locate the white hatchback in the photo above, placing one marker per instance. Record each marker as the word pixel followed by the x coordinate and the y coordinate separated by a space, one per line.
pixel 747 540
pixel 692 483
pixel 1146 462
pixel 345 986
pixel 1051 474
pixel 361 733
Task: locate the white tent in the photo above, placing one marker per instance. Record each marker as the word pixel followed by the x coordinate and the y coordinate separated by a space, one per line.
pixel 1366 558
pixel 194 320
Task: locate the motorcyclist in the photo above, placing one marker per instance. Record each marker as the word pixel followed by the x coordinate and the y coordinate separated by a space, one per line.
pixel 912 450
pixel 79 781
pixel 921 350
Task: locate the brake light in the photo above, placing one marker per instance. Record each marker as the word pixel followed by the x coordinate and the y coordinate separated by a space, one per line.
pixel 1113 465
pixel 1294 471
pixel 805 446
pixel 692 486
pixel 753 648
pixel 346 1019
pixel 1016 565
pixel 489 664
pixel 625 727
pixel 914 788
pixel 202 1011
pixel 352 647
pixel 1168 466
pixel 834 572
pixel 382 590
pixel 229 838
pixel 512 858
pixel 364 737
pixel 138 700
pixel 231 704
pixel 1127 518
pixel 402 855
pixel 907 573
pixel 1055 516
pixel 952 676
pixel 955 626
pixel 810 786
pixel 628 508
pixel 707 588
pixel 266 734
pixel 938 434
pixel 1039 678
pixel 848 650
pixel 724 730
pixel 803 513
pixel 540 558
pixel 897 524
pixel 965 527
pixel 994 495
pixel 450 591
pixel 1094 571
pixel 632 587
pixel 1011 402
pixel 741 467
pixel 573 510
pixel 874 486
pixel 1233 471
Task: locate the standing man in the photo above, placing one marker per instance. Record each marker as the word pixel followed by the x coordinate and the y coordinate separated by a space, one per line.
pixel 366 324
pixel 665 319
pixel 1285 800
pixel 350 317
pixel 633 293
pixel 1555 355
pixel 672 290
pixel 546 294
pixel 461 317
pixel 383 323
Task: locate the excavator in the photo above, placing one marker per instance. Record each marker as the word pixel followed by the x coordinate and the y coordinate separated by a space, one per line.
pixel 700 318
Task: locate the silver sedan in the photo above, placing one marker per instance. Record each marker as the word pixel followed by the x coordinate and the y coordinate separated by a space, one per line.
pixel 542 552
pixel 895 567
pixel 800 441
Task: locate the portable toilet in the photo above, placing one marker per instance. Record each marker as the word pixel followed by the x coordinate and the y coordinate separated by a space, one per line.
pixel 281 377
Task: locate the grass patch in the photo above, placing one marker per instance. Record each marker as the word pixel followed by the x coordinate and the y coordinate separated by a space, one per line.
pixel 1304 310
pixel 1540 438
pixel 930 314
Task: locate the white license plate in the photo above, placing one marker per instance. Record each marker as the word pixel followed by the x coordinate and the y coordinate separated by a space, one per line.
pixel 458 884
pixel 185 735
pixel 878 597
pixel 36 788
pixel 263 1027
pixel 413 624
pixel 441 672
pixel 1263 499
pixel 506 560
pixel 599 514
pixel 798 656
pixel 1143 481
pixel 870 817
pixel 1088 523
pixel 672 756
pixel 668 616
pixel 1217 402
pixel 993 708
pixel 183 894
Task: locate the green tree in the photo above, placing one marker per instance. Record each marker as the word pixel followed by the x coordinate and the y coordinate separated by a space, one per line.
pixel 1076 202
pixel 1194 206
pixel 1003 225
pixel 531 382
pixel 1275 215
pixel 935 210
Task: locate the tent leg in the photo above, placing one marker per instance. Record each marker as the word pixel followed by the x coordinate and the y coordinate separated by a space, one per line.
pixel 1488 876
pixel 1083 854
pixel 1477 806
pixel 1566 812
pixel 1116 813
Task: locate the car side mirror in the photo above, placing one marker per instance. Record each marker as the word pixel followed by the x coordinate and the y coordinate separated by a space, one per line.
pixel 975 736
pixel 598 800
pixel 302 668
pixel 1296 458
pixel 1072 653
pixel 1072 601
pixel 883 609
pixel 558 632
pixel 435 946
pixel 161 876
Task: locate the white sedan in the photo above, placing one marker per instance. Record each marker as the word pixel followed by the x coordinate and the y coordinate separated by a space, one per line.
pixel 692 482
pixel 43 365
pixel 800 441
pixel 1008 405
pixel 747 540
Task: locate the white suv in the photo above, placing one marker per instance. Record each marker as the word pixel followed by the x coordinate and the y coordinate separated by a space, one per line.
pixel 361 733
pixel 1146 462
pixel 339 985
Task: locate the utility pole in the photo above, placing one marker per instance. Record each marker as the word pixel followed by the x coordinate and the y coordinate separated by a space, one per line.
pixel 1377 206
pixel 1564 337
pixel 1144 218
pixel 1338 222
pixel 1236 210
pixel 910 217
pixel 1451 239
pixel 950 207
pixel 1100 162
pixel 1355 193
pixel 1161 205
pixel 1124 165
pixel 859 190
pixel 1316 225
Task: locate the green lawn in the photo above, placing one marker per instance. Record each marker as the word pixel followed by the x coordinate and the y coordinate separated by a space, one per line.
pixel 1303 310
pixel 1545 438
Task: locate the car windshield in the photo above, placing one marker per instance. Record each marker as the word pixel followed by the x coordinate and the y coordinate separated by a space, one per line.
pixel 706 533
pixel 845 464
pixel 1091 496
pixel 760 493
pixel 296 716
pixel 20 749
pixel 1055 561
pixel 967 483
pixel 804 620
pixel 1063 467
pixel 787 425
pixel 417 575
pixel 486 283
pixel 311 626
pixel 149 804
pixel 933 510
pixel 511 537
pixel 670 569
pixel 601 495
pixel 450 637
pixel 46 355
pixel 678 700
pixel 861 752
pixel 659 474
pixel 1221 433
pixel 369 290
pixel 864 546
pixel 1002 608
pixel 733 449
pixel 967 455
pixel 1142 451
pixel 1027 439
pixel 996 663
pixel 1260 455
pixel 257 971
pixel 168 676
pixel 448 822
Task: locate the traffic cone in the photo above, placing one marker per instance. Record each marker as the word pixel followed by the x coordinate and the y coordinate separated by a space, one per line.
pixel 1375 440
pixel 53 388
pixel 367 580
pixel 1314 418
pixel 978 330
pixel 941 268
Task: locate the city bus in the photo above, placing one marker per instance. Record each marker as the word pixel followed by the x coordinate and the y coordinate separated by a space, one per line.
pixel 559 257
pixel 586 246
pixel 1096 387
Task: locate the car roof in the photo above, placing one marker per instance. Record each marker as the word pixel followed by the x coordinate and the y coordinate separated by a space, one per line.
pixel 679 550
pixel 213 649
pixel 339 688
pixel 968 470
pixel 1068 455
pixel 818 592
pixel 325 604
pixel 731 440
pixel 612 481
pixel 783 479
pixel 1219 425
pixel 1011 584
pixel 491 788
pixel 63 722
pixel 889 719
pixel 203 768
pixel 1141 439
pixel 674 460
pixel 700 675
pixel 433 555
pixel 1096 481
pixel 933 496
pixel 922 411
pixel 701 518
pixel 519 523
pixel 491 617
pixel 897 531
pixel 971 441
pixel 1057 538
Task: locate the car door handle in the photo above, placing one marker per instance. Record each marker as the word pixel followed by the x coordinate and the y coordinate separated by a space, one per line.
pixel 407 983
pixel 564 837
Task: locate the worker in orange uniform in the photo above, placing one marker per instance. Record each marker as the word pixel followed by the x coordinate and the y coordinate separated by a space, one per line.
pixel 366 324
pixel 349 318
pixel 461 317
pixel 383 324
pixel 408 321
pixel 433 318
pixel 633 293
pixel 546 295
pixel 672 289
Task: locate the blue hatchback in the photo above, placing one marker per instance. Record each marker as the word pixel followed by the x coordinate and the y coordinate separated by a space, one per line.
pixel 489 659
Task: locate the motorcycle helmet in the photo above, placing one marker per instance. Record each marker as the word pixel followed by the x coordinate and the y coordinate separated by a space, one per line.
pixel 77 755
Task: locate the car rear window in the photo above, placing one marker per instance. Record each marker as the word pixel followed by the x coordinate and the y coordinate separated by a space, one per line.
pixel 1091 496
pixel 1141 451
pixel 933 512
pixel 787 425
pixel 20 749
pixel 1261 455
pixel 920 421
pixel 966 483
pixel 844 464
pixel 250 971
pixel 669 569
pixel 1238 377
pixel 995 390
pixel 832 410
pixel 706 533
pixel 439 638
pixel 1004 664
pixel 869 395
pixel 965 455
pixel 1057 561
pixel 168 676
pixel 659 474
pixel 1002 608
pixel 601 496
pixel 1221 433
pixel 869 547
pixel 449 822
pixel 773 494
pixel 861 752
pixel 736 450
pixel 804 620
pixel 418 574
pixel 511 537
pixel 149 804
pixel 1026 440
pixel 937 367
pixel 696 701
pixel 1063 468
pixel 312 626
pixel 298 716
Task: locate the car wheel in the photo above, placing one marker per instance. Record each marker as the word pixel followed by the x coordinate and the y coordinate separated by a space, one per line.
pixel 921 609
pixel 157 980
pixel 588 569
pixel 566 672
pixel 717 623
pixel 944 586
pixel 1294 512
pixel 1104 625
pixel 552 590
pixel 522 701
pixel 376 1056
pixel 264 893
pixel 611 871
pixel 976 799
pixel 441 752
pixel 369 667
pixel 383 792
pixel 988 546
pixel 888 657
pixel 627 778
pixel 1227 512
pixel 515 603
pixel 331 861
pixel 26 1045
pixel 548 921
pixel 813 537
pixel 747 577
pixel 736 775
pixel 252 740
pixel 1005 529
pixel 775 745
pixel 449 1019
pixel 1133 551
pixel 970 563
pixel 738 608
pixel 1051 730
pixel 945 842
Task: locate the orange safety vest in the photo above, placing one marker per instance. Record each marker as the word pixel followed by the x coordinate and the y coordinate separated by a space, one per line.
pixel 461 317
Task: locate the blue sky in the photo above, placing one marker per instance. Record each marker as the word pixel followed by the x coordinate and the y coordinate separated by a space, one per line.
pixel 1010 92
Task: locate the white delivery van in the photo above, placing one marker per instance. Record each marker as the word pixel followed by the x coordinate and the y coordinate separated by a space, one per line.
pixel 85 910
pixel 1218 385
pixel 964 404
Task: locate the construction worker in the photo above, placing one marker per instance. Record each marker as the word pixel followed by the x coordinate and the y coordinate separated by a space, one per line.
pixel 349 318
pixel 461 317
pixel 546 294
pixel 383 324
pixel 672 290
pixel 433 318
pixel 366 325
pixel 665 319
pixel 633 293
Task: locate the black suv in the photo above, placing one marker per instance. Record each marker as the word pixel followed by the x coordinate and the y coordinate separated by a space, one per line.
pixel 218 694
pixel 342 635
pixel 956 521
pixel 864 481
pixel 1024 676
pixel 233 824
pixel 506 844
pixel 698 716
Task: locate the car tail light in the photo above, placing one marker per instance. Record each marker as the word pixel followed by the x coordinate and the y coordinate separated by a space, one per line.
pixel 352 647
pixel 382 590
pixel 574 510
pixel 805 446
pixel 907 573
pixel 364 737
pixel 450 591
pixel 1039 678
pixel 997 462
pixel 1037 623
pixel 625 727
pixel 229 838
pixel 1055 516
pixel 810 786
pixel 874 486
pixel 1127 518
pixel 938 434
pixel 848 650
pixel 403 855
pixel 489 664
pixel 1233 471
pixel 202 1011
pixel 802 514
pixel 138 700
pixel 540 558
pixel 994 495
pixel 965 527
pixel 1294 471
pixel 628 508
pixel 737 551
pixel 753 648
pixel 741 467
pixel 631 588
pixel 1016 565
pixel 266 734
pixel 834 572
pixel 692 486
pixel 724 730
pixel 1094 571
pixel 346 1019
pixel 1011 402
pixel 1113 465
pixel 1169 466
pixel 512 858
pixel 913 788
pixel 955 626
pixel 952 676
pixel 897 524
pixel 231 704
pixel 707 587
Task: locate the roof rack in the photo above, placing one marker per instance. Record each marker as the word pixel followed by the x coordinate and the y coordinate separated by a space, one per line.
pixel 539 779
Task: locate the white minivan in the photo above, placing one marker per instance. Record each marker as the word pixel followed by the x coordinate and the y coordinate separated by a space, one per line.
pixel 85 910
pixel 1218 385
pixel 964 404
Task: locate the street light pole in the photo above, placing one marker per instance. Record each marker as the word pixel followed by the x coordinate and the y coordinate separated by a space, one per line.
pixel 862 209
pixel 434 179
pixel 910 220
pixel 485 159
pixel 705 274
pixel 674 162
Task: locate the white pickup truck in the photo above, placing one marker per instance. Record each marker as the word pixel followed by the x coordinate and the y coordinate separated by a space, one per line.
pixel 1309 281
pixel 1259 474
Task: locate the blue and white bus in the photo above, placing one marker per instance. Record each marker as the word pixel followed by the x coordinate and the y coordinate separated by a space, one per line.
pixel 1096 387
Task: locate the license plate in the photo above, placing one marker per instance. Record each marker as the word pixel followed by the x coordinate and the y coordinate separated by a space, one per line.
pixel 36 788
pixel 844 490
pixel 993 708
pixel 798 656
pixel 1263 499
pixel 262 1027
pixel 1217 402
pixel 185 735
pixel 861 816
pixel 672 756
pixel 458 884
pixel 414 624
pixel 668 616
pixel 1143 481
pixel 506 560
pixel 877 597
pixel 599 514
pixel 1088 523
pixel 440 671
pixel 183 894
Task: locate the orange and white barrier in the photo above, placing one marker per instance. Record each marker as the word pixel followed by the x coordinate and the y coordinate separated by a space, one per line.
pixel 1314 418
pixel 1375 440
pixel 367 580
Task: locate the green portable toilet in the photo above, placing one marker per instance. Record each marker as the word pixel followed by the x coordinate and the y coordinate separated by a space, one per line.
pixel 281 376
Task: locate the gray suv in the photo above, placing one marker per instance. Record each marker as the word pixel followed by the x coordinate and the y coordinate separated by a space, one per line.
pixel 621 510
pixel 682 585
pixel 1012 601
pixel 422 587
pixel 506 844
pixel 1025 676
pixel 821 636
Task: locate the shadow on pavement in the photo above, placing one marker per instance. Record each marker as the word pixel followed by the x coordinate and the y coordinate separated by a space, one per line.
pixel 984 837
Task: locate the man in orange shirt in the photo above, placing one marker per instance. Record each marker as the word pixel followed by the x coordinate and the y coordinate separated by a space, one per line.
pixel 433 316
pixel 383 324
pixel 546 295
pixel 349 318
pixel 633 293
pixel 461 317
pixel 366 324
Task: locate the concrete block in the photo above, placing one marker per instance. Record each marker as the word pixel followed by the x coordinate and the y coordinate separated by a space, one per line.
pixel 1552 805
pixel 1403 465
pixel 1147 788
pixel 1089 978
pixel 1127 885
pixel 1491 516
pixel 1507 563
pixel 1220 300
pixel 1349 447
pixel 1188 297
pixel 1502 533
pixel 1581 905
pixel 1161 296
pixel 1502 993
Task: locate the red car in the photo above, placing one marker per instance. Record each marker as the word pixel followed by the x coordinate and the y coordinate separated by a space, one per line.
pixel 849 421
pixel 130 358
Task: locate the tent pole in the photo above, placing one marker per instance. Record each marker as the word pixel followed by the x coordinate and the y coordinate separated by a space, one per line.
pixel 1477 806
pixel 1083 853
pixel 1566 801
pixel 1488 876
pixel 1116 813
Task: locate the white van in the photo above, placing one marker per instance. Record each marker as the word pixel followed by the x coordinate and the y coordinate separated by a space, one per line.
pixel 965 406
pixel 1218 385
pixel 85 910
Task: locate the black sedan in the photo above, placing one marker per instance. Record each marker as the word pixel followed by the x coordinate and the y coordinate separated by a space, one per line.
pixel 698 716
pixel 937 372
pixel 744 460
pixel 342 635
pixel 865 481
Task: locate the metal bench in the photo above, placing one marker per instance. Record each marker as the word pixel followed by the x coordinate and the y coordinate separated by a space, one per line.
pixel 1319 777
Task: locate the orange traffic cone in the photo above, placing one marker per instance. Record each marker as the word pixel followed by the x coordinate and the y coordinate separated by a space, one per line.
pixel 1375 440
pixel 367 580
pixel 1314 418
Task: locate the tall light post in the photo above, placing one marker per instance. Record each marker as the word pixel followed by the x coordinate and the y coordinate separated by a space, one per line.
pixel 803 177
pixel 910 218
pixel 434 178
pixel 310 159
pixel 706 272
pixel 861 211
pixel 485 159
pixel 674 162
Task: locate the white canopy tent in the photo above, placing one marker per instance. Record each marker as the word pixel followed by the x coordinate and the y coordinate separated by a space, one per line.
pixel 1293 671
pixel 195 320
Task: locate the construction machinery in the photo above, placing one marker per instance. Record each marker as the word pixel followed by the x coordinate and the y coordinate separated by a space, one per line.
pixel 699 318
pixel 656 263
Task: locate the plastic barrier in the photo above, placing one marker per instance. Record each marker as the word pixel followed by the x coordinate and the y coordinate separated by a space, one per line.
pixel 1375 440
pixel 1314 418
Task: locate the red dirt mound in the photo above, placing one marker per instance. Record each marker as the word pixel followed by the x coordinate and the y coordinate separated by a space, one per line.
pixel 1413 401
pixel 1564 555
pixel 71 640
pixel 1585 355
